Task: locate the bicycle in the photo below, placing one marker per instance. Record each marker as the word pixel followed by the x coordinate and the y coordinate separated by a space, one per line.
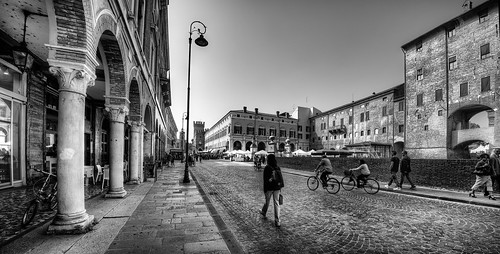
pixel 371 185
pixel 45 190
pixel 332 184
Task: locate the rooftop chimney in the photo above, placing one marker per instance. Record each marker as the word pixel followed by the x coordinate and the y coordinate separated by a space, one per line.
pixel 244 109
pixel 277 113
pixel 256 111
pixel 467 5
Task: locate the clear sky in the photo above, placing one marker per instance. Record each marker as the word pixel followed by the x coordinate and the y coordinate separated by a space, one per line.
pixel 276 55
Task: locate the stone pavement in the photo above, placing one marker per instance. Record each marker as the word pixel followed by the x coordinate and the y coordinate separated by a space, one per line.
pixel 426 192
pixel 166 216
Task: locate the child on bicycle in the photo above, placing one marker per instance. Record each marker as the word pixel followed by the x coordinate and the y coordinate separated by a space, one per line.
pixel 364 170
pixel 325 167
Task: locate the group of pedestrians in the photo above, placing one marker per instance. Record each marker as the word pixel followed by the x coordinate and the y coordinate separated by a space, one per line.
pixel 403 165
pixel 487 171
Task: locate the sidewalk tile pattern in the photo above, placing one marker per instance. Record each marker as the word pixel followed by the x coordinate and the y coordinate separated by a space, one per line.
pixel 172 218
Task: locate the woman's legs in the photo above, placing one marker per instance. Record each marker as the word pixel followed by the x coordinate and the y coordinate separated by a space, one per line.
pixel 276 195
pixel 266 205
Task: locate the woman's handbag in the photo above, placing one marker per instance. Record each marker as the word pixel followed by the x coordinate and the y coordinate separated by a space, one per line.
pixel 280 200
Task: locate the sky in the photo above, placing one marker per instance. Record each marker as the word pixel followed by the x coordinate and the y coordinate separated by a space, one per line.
pixel 275 55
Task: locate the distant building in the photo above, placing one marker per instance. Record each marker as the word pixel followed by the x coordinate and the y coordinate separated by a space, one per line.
pixel 199 135
pixel 303 115
pixel 374 124
pixel 240 129
pixel 451 76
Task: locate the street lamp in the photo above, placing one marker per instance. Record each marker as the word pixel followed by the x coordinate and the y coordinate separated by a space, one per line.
pixel 200 41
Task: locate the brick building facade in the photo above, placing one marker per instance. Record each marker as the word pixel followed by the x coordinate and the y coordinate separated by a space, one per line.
pixel 240 129
pixel 451 75
pixel 98 93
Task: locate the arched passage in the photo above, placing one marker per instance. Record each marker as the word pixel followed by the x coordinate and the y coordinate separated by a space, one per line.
pixel 261 146
pixel 468 125
pixel 237 145
pixel 248 145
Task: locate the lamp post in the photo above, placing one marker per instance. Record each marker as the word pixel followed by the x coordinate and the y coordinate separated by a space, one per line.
pixel 200 41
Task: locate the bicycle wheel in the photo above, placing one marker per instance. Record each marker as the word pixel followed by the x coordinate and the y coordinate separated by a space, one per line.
pixel 312 183
pixel 30 212
pixel 43 189
pixel 371 186
pixel 348 183
pixel 333 186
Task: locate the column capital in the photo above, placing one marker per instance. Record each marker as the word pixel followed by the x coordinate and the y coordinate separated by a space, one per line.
pixel 136 125
pixel 73 80
pixel 116 113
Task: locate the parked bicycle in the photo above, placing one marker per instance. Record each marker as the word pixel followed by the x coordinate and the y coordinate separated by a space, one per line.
pixel 370 185
pixel 45 190
pixel 332 184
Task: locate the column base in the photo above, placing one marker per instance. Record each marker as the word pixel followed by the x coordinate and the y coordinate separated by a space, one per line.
pixel 133 182
pixel 120 193
pixel 71 225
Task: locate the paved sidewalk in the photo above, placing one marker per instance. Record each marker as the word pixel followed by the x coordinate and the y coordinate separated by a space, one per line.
pixel 427 192
pixel 166 216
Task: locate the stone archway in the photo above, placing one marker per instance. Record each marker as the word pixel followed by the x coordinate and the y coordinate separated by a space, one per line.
pixel 136 134
pixel 261 146
pixel 248 145
pixel 237 145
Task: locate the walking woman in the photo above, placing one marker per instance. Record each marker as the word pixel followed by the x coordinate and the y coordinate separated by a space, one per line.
pixel 273 182
pixel 483 172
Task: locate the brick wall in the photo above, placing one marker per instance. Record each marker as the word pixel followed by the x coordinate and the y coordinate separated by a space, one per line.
pixel 437 173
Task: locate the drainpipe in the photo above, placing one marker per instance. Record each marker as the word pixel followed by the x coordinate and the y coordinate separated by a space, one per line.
pixel 406 104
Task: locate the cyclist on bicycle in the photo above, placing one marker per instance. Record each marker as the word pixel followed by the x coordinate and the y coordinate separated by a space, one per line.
pixel 325 167
pixel 364 170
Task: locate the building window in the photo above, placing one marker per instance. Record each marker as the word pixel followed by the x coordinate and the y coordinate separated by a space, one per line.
pixel 350 119
pixel 485 84
pixel 341 122
pixel 452 62
pixel 464 89
pixel 418 46
pixel 401 106
pixel 384 111
pixel 356 134
pixel 384 99
pixel 420 99
pixel 451 32
pixel 282 133
pixel 250 130
pixel 307 136
pixel 272 132
pixel 376 131
pixel 362 133
pixel 485 50
pixel 440 112
pixel 362 117
pixel 426 127
pixel 299 128
pixel 262 131
pixel 368 132
pixel 299 136
pixel 292 133
pixel 238 129
pixel 384 130
pixel 367 115
pixel 483 16
pixel 345 135
pixel 439 95
pixel 401 128
pixel 420 74
pixel 308 129
pixel 419 116
pixel 333 123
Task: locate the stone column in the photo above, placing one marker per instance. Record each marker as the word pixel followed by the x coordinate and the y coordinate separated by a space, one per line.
pixel 71 215
pixel 135 129
pixel 117 115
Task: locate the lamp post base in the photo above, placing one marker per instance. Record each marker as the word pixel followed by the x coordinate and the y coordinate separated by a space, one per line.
pixel 186 176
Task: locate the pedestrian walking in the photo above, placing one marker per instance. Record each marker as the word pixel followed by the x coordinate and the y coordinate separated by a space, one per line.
pixel 405 168
pixel 495 165
pixel 483 172
pixel 273 182
pixel 394 167
pixel 325 167
pixel 172 160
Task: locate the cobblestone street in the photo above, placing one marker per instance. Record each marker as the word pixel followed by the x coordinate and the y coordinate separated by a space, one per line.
pixel 346 222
